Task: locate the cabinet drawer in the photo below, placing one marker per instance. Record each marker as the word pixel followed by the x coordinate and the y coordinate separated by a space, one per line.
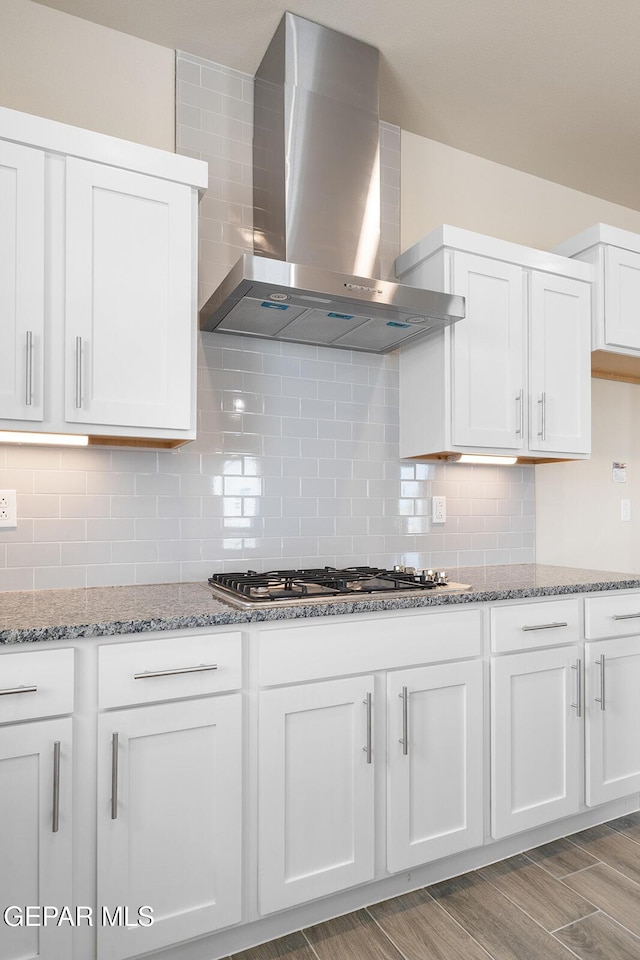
pixel 617 616
pixel 529 625
pixel 293 654
pixel 170 669
pixel 35 684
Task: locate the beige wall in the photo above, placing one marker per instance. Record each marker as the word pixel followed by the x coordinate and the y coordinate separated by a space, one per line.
pixel 443 185
pixel 578 504
pixel 58 66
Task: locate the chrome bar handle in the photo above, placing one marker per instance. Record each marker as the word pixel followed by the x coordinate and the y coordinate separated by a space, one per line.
pixel 170 673
pixel 577 666
pixel 368 704
pixel 78 372
pixel 546 626
pixel 626 616
pixel 114 776
pixel 8 691
pixel 55 821
pixel 404 696
pixel 601 699
pixel 28 379
pixel 542 403
pixel 520 413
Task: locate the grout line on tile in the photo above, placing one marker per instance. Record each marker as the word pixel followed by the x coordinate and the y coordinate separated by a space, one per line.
pixel 574 923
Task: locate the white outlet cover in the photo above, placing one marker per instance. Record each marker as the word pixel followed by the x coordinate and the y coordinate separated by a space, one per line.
pixel 8 510
pixel 439 510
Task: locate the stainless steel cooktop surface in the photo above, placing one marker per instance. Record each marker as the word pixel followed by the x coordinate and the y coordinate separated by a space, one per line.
pixel 249 589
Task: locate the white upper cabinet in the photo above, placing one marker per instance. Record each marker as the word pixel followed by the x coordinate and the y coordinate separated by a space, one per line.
pixel 490 338
pixel 512 378
pixel 559 350
pixel 21 280
pixel 128 298
pixel 614 257
pixel 98 271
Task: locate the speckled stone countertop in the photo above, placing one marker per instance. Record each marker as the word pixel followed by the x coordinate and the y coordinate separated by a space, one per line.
pixel 28 617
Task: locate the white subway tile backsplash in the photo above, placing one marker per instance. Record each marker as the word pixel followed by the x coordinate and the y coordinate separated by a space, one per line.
pixel 57 531
pixel 16 578
pixel 37 504
pixel 33 554
pixel 91 505
pixel 59 578
pixel 86 553
pixel 110 575
pixel 296 460
pixel 111 529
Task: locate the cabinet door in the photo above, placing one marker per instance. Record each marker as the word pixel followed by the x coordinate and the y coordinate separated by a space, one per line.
pixel 169 822
pixel 21 281
pixel 535 739
pixel 434 800
pixel 613 719
pixel 488 354
pixel 129 310
pixel 621 298
pixel 560 365
pixel 35 844
pixel 316 791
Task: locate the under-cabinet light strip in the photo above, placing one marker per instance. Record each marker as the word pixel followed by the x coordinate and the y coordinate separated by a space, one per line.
pixel 55 439
pixel 480 458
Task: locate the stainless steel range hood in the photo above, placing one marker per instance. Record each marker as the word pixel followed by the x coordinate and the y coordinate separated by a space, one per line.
pixel 316 187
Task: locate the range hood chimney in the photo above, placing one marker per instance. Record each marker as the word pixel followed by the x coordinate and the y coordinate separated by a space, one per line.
pixel 316 190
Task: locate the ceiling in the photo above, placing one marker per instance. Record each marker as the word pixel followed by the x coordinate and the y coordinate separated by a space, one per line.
pixel 551 87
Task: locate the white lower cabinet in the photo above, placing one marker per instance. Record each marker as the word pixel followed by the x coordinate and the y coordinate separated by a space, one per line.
pixel 347 779
pixel 35 836
pixel 613 719
pixel 435 762
pixel 316 790
pixel 535 739
pixel 169 822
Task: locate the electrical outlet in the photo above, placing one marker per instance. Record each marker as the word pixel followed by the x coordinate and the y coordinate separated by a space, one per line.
pixel 625 510
pixel 8 510
pixel 438 509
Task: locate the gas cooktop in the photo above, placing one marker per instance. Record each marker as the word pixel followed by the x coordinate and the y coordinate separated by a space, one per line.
pixel 327 584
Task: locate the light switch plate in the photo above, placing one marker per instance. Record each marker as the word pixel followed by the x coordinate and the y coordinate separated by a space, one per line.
pixel 8 510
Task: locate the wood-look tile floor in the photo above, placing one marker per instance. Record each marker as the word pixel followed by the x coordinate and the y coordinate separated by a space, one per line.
pixel 576 897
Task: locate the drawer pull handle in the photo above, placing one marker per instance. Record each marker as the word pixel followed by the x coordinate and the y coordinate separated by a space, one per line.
pixel 404 696
pixel 148 674
pixel 55 820
pixel 114 776
pixel 626 616
pixel 577 666
pixel 601 699
pixel 9 690
pixel 546 626
pixel 368 705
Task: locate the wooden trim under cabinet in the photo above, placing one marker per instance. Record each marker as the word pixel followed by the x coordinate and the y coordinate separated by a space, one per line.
pixel 140 442
pixel 615 366
pixel 451 455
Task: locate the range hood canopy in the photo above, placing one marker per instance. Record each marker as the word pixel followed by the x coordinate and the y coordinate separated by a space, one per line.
pixel 316 184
